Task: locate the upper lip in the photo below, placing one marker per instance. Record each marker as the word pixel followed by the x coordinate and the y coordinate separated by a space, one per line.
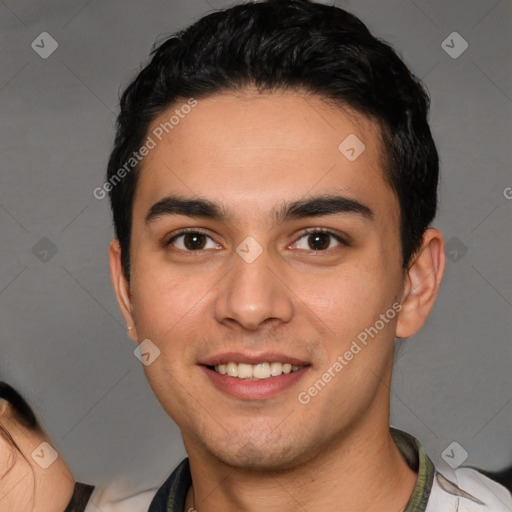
pixel 239 357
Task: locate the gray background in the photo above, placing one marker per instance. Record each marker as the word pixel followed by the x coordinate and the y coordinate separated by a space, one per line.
pixel 63 340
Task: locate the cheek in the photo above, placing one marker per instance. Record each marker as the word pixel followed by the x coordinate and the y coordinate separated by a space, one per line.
pixel 16 478
pixel 7 458
pixel 166 300
pixel 350 302
pixel 348 295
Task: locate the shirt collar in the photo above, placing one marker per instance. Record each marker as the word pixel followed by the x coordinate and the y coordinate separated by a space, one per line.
pixel 172 495
pixel 80 498
pixel 417 459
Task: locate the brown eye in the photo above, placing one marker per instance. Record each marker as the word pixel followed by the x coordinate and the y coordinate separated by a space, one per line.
pixel 319 241
pixel 193 241
pixel 190 241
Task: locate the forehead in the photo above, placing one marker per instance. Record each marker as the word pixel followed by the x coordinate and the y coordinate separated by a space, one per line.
pixel 259 149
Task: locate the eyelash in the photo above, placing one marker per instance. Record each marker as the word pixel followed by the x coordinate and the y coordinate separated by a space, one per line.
pixel 313 231
pixel 185 231
pixel 306 232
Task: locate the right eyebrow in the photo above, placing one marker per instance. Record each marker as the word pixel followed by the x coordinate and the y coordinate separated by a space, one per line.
pixel 175 205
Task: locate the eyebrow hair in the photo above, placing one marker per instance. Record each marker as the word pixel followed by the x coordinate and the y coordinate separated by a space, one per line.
pixel 319 206
pixel 309 207
pixel 176 205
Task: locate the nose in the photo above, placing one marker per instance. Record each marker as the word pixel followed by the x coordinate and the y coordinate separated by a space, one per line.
pixel 253 294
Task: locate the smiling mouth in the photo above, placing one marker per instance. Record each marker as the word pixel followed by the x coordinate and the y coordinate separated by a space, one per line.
pixel 258 371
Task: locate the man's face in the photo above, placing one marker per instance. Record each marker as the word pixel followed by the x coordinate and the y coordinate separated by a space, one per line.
pixel 285 293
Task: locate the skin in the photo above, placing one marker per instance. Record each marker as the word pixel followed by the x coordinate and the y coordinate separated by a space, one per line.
pixel 24 485
pixel 252 152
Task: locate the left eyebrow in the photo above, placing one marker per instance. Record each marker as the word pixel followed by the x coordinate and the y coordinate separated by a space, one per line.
pixel 317 206
pixel 320 206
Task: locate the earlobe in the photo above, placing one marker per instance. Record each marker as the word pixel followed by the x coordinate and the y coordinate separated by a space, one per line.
pixel 421 285
pixel 121 287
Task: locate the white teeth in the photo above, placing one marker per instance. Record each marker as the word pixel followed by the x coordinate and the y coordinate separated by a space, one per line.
pixel 257 371
pixel 261 371
pixel 276 369
pixel 232 369
pixel 244 371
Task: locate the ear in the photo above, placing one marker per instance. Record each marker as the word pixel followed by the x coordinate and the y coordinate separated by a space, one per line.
pixel 421 284
pixel 121 287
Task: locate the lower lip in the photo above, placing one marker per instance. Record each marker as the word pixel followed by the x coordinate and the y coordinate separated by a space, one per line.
pixel 254 389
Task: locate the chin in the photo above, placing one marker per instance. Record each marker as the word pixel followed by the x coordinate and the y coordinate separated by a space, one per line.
pixel 261 455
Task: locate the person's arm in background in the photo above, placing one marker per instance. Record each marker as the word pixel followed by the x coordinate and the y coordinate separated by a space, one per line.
pixel 34 478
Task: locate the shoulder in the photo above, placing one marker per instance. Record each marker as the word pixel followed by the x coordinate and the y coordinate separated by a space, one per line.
pixel 467 490
pixel 120 496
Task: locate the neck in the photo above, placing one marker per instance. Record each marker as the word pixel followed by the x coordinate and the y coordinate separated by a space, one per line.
pixel 362 470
